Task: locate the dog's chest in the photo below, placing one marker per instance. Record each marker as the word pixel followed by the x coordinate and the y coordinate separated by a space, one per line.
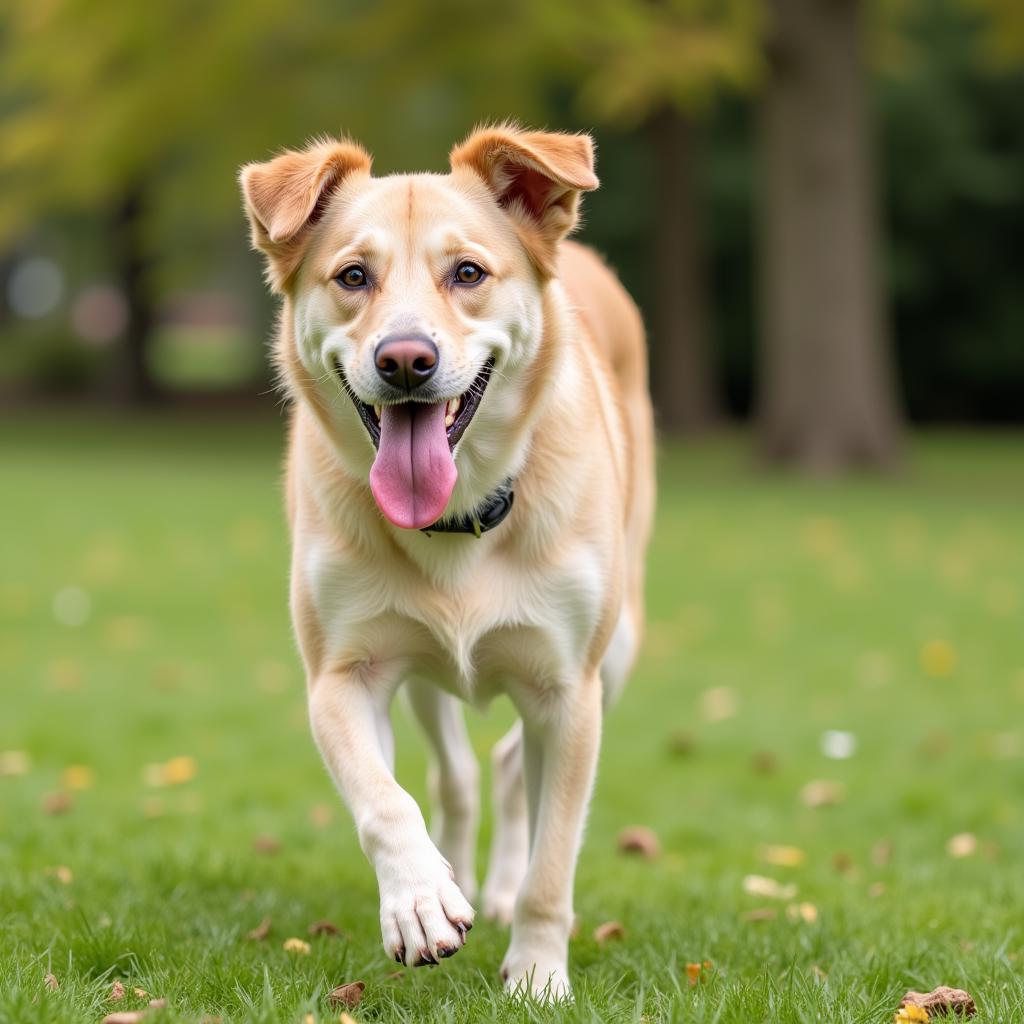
pixel 476 632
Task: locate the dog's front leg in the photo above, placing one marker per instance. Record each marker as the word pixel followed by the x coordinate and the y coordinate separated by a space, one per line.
pixel 560 753
pixel 423 914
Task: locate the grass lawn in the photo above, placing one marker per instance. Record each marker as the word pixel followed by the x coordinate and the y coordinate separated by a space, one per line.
pixel 147 670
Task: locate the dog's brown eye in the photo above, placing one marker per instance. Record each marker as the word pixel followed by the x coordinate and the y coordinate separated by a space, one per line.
pixel 353 277
pixel 469 273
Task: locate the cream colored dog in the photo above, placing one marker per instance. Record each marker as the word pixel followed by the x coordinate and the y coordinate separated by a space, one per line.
pixel 469 487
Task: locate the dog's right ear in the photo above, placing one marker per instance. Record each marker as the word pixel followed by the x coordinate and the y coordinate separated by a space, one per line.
pixel 286 195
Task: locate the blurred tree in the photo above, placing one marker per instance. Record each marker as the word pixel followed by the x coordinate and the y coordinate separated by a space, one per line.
pixel 826 392
pixel 659 66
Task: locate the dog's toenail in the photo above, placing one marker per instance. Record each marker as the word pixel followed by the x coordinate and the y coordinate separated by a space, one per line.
pixel 400 956
pixel 445 951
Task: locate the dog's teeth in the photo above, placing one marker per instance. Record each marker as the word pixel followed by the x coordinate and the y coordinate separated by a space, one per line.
pixel 376 409
pixel 449 420
pixel 453 405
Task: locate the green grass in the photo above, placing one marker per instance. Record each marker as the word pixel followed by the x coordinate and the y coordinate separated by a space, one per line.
pixel 807 606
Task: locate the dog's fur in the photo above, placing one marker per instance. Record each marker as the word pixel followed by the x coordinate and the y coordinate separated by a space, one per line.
pixel 548 607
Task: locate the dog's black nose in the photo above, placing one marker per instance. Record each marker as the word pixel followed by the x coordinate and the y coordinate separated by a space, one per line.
pixel 406 362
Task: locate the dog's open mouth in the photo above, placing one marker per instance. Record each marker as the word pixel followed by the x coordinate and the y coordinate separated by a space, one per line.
pixel 414 474
pixel 457 411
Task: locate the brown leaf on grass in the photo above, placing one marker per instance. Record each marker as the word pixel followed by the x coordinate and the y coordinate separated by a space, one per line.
pixel 140 993
pixel 158 1004
pixel 806 912
pixel 260 932
pixel 57 803
pixel 51 982
pixel 764 762
pixel 822 793
pixel 125 1017
pixel 640 840
pixel 877 890
pixel 942 1000
pixel 116 992
pixel 298 946
pixel 697 972
pixel 761 914
pixel 266 844
pixel 681 744
pixel 608 931
pixel 78 776
pixel 323 927
pixel 61 872
pixel 349 995
pixel 842 862
pixel 346 1019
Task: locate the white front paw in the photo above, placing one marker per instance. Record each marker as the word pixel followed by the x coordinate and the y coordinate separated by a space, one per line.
pixel 423 915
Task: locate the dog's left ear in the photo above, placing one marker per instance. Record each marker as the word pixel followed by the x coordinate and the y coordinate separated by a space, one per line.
pixel 537 178
pixel 286 195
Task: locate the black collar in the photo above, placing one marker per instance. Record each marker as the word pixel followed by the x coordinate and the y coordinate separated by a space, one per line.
pixel 486 516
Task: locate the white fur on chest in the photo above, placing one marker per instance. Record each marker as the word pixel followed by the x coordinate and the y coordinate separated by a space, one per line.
pixel 485 623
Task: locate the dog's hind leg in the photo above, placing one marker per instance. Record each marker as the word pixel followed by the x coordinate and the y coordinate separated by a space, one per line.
pixel 510 845
pixel 454 779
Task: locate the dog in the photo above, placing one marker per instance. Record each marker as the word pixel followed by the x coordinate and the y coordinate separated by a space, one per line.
pixel 469 489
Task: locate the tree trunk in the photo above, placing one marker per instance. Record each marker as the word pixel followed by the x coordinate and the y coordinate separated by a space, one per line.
pixel 826 390
pixel 685 394
pixel 135 383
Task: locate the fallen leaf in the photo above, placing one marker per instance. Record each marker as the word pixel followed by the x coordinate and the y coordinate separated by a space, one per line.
pixel 695 972
pixel 57 803
pixel 116 992
pixel 320 815
pixel 806 912
pixel 681 744
pixel 324 928
pixel 964 844
pixel 782 856
pixel 266 844
pixel 719 703
pixel 941 1000
pixel 61 872
pixel 910 1015
pixel 842 862
pixel 938 659
pixel 158 1004
pixel 78 776
pixel 297 946
pixel 348 995
pixel 609 930
pixel 180 769
pixel 125 1017
pixel 877 890
pixel 140 993
pixel 260 932
pixel 764 763
pixel 346 1019
pixel 823 793
pixel 761 914
pixel 758 885
pixel 640 840
pixel 14 762
pixel 51 982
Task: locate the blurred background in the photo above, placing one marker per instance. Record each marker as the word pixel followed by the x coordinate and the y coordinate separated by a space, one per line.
pixel 818 206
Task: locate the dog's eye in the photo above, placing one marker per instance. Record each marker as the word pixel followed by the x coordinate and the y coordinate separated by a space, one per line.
pixel 353 277
pixel 469 273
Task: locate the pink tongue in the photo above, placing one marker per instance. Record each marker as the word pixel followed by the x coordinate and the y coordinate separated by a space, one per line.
pixel 414 474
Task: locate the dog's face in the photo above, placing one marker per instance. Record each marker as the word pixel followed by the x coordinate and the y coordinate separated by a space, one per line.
pixel 415 301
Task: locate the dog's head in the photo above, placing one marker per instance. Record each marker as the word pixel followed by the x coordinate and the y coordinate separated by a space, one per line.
pixel 415 302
